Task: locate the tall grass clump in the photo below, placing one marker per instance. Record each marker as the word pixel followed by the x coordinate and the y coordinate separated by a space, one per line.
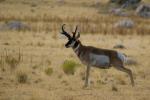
pixel 69 67
pixel 22 77
pixel 12 61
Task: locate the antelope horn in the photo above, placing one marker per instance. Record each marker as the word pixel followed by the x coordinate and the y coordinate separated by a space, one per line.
pixel 64 32
pixel 74 33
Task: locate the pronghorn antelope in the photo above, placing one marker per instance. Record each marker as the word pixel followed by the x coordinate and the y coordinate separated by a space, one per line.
pixel 96 57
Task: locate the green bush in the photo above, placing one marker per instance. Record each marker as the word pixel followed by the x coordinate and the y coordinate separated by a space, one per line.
pixel 69 67
pixel 49 71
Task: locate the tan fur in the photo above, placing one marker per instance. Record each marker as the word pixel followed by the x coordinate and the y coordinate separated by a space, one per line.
pixel 83 53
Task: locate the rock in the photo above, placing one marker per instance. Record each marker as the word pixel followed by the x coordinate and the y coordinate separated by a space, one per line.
pixel 126 3
pixel 119 46
pixel 125 23
pixel 122 2
pixel 14 25
pixel 61 1
pixel 118 12
pixel 143 10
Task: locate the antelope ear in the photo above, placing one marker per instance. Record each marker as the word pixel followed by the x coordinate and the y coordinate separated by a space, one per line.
pixel 78 36
pixel 74 33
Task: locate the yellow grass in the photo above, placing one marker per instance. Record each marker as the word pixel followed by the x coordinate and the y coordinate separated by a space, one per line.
pixel 43 48
pixel 48 15
pixel 40 86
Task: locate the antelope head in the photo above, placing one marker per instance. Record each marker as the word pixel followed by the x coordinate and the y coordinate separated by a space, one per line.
pixel 71 39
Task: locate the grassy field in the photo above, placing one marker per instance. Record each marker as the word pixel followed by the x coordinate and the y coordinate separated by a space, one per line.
pixel 32 61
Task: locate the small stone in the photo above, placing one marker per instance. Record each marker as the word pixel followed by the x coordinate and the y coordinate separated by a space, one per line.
pixel 119 46
pixel 125 23
pixel 143 10
pixel 14 25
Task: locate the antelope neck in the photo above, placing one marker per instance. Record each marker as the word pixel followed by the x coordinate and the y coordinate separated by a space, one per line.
pixel 76 46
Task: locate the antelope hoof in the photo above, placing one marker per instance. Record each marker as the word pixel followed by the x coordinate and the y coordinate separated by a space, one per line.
pixel 86 87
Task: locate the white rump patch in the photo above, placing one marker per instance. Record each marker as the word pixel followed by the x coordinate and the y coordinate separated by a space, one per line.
pixel 99 60
pixel 121 57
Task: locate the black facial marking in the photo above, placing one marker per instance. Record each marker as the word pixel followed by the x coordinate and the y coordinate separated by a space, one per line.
pixel 70 42
pixel 76 44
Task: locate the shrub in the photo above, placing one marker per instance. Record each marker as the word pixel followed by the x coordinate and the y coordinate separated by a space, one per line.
pixel 49 71
pixel 69 67
pixel 114 88
pixel 22 77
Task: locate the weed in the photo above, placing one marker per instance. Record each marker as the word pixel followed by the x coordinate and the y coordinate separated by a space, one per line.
pixel 22 77
pixel 38 80
pixel 64 82
pixel 40 44
pixel 35 66
pixel 49 71
pixel 114 88
pixel 12 61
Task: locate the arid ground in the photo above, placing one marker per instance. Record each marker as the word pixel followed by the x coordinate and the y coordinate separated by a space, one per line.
pixel 31 61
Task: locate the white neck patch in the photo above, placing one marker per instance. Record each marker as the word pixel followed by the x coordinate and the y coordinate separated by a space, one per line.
pixel 72 44
pixel 75 49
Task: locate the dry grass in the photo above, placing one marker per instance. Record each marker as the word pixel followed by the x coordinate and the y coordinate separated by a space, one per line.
pixel 105 83
pixel 50 15
pixel 34 52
